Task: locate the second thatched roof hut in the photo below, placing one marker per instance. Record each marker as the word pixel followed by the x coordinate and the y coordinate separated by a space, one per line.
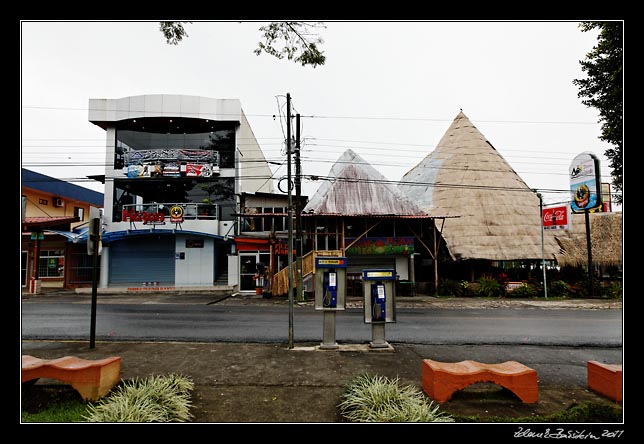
pixel 605 239
pixel 500 217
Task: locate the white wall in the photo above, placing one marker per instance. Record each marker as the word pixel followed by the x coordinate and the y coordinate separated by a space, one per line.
pixel 197 269
pixel 233 269
pixel 402 267
pixel 254 176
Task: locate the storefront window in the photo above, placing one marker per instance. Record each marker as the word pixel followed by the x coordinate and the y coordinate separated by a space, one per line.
pixel 51 264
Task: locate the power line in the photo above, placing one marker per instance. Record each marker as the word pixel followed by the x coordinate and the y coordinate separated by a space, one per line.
pixel 313 116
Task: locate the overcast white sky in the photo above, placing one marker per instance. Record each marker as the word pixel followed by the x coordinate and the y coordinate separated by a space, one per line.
pixel 388 90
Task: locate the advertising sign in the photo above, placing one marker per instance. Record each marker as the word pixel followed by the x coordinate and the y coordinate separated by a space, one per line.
pixel 585 183
pixel 556 218
pixel 382 245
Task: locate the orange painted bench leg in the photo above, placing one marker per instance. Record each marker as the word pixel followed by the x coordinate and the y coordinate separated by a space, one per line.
pixel 605 379
pixel 442 379
pixel 92 379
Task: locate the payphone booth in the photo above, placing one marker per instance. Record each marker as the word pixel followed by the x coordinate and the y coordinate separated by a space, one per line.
pixel 379 303
pixel 330 289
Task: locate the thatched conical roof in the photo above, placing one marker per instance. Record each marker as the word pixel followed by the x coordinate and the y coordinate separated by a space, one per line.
pixel 605 239
pixel 355 188
pixel 465 176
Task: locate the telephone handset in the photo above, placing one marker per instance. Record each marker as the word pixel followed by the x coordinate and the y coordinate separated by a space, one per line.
pixel 378 302
pixel 330 289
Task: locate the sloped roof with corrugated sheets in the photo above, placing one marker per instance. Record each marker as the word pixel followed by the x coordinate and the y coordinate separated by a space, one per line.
pixel 500 217
pixel 355 188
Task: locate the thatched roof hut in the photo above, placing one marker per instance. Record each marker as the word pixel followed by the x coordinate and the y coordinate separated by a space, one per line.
pixel 500 216
pixel 605 238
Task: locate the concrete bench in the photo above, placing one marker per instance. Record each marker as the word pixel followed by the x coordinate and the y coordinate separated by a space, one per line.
pixel 442 379
pixel 91 378
pixel 605 379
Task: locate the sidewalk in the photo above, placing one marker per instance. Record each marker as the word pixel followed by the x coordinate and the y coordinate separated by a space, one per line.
pixel 272 383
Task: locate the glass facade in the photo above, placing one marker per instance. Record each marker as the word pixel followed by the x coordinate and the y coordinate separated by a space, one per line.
pixel 162 161
pixel 161 142
pixel 213 199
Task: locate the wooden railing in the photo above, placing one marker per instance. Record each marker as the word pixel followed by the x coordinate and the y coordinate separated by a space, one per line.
pixel 279 282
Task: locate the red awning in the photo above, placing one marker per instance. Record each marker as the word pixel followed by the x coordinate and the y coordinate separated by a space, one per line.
pixel 38 223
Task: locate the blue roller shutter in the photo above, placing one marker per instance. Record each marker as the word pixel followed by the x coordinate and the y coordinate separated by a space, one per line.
pixel 139 260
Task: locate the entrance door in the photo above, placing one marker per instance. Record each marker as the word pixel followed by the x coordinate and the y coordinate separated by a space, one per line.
pixel 248 268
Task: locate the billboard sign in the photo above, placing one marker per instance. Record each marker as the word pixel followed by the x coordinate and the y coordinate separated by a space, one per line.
pixel 585 183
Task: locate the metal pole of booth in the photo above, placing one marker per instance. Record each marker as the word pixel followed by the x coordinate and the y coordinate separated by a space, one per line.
pixel 328 333
pixel 378 336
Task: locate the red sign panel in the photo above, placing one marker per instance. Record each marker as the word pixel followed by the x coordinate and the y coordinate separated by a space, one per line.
pixel 555 218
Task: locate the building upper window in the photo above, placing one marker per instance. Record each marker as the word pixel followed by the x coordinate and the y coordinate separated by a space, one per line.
pixel 79 212
pixel 262 221
pixel 174 147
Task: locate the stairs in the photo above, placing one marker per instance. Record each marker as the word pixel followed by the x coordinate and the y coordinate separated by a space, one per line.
pixel 222 278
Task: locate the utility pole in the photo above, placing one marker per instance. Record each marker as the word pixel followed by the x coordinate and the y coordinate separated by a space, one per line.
pixel 298 210
pixel 543 255
pixel 290 222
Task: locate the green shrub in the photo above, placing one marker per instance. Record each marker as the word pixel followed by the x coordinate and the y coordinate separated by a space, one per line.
pixel 380 399
pixel 153 399
pixel 615 290
pixel 449 287
pixel 559 289
pixel 489 287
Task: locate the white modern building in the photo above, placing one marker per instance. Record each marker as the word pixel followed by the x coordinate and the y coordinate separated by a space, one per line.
pixel 176 166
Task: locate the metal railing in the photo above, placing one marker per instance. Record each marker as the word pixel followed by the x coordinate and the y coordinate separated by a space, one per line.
pixel 151 212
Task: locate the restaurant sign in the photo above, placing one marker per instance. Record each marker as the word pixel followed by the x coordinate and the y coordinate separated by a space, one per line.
pixel 381 245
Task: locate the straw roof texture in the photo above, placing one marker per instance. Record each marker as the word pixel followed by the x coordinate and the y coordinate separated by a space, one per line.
pixel 465 176
pixel 605 238
pixel 355 188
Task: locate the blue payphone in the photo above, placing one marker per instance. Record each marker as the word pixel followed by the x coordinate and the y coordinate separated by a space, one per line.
pixel 330 287
pixel 379 295
pixel 330 282
pixel 379 303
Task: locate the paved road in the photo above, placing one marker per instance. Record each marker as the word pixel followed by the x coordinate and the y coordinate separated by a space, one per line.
pixel 270 324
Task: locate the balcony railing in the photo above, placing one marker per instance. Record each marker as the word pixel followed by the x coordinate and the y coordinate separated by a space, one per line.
pixel 151 213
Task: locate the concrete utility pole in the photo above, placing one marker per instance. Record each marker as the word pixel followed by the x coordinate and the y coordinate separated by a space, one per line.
pixel 290 222
pixel 298 210
pixel 543 254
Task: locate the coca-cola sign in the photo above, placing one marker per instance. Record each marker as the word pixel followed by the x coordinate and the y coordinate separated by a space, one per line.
pixel 555 218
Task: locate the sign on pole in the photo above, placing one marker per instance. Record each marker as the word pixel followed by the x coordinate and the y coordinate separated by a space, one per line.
pixel 556 218
pixel 585 183
pixel 94 233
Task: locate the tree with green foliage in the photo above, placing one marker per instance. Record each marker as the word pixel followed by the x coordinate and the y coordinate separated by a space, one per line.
pixel 293 40
pixel 603 89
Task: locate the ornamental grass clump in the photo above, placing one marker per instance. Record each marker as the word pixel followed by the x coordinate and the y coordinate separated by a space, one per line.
pixel 153 399
pixel 370 398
